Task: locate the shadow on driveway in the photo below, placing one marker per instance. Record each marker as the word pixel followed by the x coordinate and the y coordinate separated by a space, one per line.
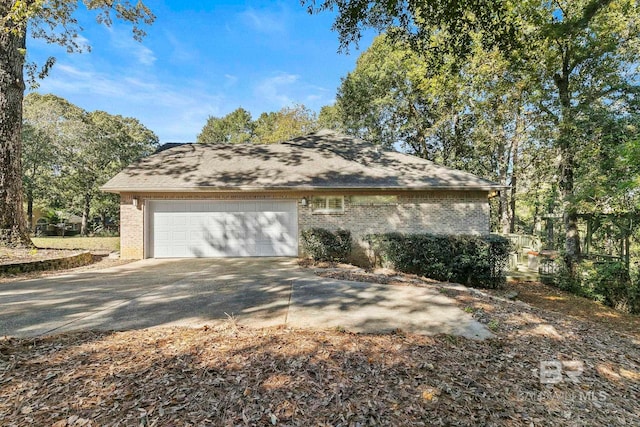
pixel 195 292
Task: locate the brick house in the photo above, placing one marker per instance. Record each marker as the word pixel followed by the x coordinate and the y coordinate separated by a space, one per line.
pixel 197 200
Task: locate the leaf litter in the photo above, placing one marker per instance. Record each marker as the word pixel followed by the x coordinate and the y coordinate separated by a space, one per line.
pixel 229 375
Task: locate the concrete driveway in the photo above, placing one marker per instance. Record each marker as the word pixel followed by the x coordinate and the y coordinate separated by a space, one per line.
pixel 195 292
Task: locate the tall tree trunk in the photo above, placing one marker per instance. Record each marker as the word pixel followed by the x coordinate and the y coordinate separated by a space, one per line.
pixel 569 214
pixel 12 44
pixel 567 165
pixel 504 178
pixel 504 210
pixel 512 199
pixel 515 146
pixel 84 228
pixel 30 210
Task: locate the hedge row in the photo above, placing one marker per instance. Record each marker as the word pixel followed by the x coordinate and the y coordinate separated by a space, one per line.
pixel 477 261
pixel 325 245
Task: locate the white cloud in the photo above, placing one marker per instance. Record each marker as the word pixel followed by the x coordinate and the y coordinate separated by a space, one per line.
pixel 274 90
pixel 122 40
pixel 174 113
pixel 286 89
pixel 231 79
pixel 264 21
pixel 144 55
pixel 180 52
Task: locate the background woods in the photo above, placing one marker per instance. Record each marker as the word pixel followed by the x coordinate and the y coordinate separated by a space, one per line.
pixel 69 153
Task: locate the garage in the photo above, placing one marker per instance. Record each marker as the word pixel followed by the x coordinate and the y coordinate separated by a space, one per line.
pixel 212 228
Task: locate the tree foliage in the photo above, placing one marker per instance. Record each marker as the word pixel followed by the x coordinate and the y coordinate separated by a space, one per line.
pixel 237 127
pixel 82 150
pixel 396 95
pixel 421 21
pixel 586 49
pixel 331 117
pixel 288 123
pixel 234 128
pixel 471 117
pixel 566 84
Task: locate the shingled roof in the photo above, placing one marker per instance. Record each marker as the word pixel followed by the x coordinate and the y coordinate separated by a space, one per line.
pixel 323 160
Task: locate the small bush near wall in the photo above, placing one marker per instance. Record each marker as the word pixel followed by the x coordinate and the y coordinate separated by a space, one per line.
pixel 477 261
pixel 324 245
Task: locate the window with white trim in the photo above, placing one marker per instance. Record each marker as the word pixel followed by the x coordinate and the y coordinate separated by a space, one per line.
pixel 327 204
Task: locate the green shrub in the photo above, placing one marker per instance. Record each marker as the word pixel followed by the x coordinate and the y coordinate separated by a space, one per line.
pixel 477 261
pixel 324 245
pixel 609 283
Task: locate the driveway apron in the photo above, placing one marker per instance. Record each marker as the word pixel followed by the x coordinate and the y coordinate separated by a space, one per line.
pixel 257 292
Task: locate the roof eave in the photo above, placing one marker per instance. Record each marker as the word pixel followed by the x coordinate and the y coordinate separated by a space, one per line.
pixel 118 190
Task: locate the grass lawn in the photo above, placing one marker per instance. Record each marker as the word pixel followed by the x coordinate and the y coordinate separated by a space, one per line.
pixel 88 243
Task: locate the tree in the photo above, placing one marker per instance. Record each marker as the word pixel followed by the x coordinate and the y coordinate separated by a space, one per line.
pixel 497 96
pixel 397 95
pixel 237 126
pixel 330 117
pixel 419 21
pixel 584 51
pixel 234 128
pixel 37 166
pixel 114 142
pixel 86 149
pixel 470 117
pixel 608 167
pixel 51 125
pixel 55 23
pixel 288 123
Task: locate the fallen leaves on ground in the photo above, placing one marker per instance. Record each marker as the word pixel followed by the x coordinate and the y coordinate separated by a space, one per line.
pixel 230 376
pixel 101 260
pixel 550 298
pixel 19 255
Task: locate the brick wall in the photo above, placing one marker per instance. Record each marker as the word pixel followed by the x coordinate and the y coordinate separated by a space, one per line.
pixel 131 228
pixel 440 212
pixel 435 212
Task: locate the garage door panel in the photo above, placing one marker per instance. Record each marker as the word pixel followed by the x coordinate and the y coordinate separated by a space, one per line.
pixel 223 228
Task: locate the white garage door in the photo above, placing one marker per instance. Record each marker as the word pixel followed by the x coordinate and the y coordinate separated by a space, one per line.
pixel 188 229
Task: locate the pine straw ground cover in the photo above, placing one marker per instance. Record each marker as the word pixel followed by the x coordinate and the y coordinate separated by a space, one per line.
pixel 232 376
pixel 101 260
pixel 19 255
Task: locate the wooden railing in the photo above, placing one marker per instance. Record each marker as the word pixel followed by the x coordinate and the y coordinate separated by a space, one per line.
pixel 521 245
pixel 524 241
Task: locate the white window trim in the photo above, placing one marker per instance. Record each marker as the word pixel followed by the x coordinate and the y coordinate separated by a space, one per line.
pixel 326 209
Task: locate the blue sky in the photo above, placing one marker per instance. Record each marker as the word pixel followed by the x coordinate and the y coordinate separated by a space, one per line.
pixel 202 58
